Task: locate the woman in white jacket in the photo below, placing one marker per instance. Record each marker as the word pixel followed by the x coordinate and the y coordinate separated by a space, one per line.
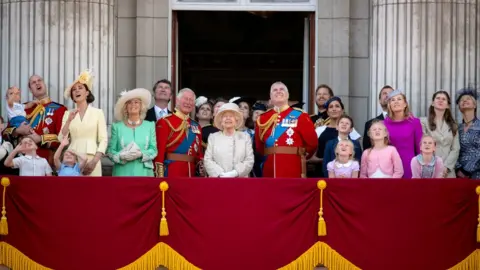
pixel 229 152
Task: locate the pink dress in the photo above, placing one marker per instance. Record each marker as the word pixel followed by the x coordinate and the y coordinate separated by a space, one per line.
pixel 343 170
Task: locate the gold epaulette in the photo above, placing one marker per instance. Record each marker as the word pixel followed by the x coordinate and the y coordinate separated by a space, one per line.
pixel 159 170
pixel 9 130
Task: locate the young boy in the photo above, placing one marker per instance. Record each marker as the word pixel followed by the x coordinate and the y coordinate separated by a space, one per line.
pixel 72 163
pixel 29 164
pixel 15 109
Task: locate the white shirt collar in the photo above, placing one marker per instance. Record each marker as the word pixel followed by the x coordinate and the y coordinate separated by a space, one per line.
pixel 31 157
pixel 384 114
pixel 158 109
pixel 346 165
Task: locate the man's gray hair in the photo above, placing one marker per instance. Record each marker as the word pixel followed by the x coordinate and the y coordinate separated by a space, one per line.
pixel 279 83
pixel 184 90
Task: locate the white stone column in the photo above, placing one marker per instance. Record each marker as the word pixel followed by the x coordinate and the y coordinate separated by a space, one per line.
pixel 57 39
pixel 424 46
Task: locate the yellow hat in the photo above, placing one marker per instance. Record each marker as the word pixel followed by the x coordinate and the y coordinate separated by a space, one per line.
pixel 86 77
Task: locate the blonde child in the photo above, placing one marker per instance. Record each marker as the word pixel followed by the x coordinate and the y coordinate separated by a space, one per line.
pixel 344 165
pixel 30 164
pixel 15 109
pixel 72 163
pixel 426 164
pixel 381 160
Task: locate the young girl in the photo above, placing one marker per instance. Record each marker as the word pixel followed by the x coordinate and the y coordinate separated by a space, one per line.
pixel 381 160
pixel 72 164
pixel 30 164
pixel 426 164
pixel 344 128
pixel 15 109
pixel 344 166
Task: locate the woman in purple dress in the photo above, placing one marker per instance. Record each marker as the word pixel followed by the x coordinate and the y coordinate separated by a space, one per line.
pixel 404 129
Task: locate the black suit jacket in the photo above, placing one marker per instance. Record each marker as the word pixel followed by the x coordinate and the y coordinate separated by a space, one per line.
pixel 366 139
pixel 151 116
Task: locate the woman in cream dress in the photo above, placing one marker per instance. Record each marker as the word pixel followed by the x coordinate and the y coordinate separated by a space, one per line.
pixel 229 152
pixel 85 124
pixel 442 127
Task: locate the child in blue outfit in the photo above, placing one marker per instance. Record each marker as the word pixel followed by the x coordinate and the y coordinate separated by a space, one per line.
pixel 72 163
pixel 15 109
pixel 344 127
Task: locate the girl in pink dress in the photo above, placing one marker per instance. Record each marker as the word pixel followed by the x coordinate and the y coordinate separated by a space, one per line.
pixel 344 165
pixel 381 160
pixel 427 165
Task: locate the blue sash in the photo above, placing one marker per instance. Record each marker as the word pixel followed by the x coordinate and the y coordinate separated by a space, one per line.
pixel 279 130
pixel 183 147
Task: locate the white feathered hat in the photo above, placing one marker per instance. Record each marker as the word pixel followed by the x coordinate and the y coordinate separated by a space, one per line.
pixel 140 93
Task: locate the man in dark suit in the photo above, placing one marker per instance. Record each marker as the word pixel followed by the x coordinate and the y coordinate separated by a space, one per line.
pixel 162 92
pixel 382 99
pixel 322 94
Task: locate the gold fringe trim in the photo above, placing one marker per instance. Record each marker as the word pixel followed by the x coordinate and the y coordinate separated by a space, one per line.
pixel 472 262
pixel 161 254
pixel 14 259
pixel 320 253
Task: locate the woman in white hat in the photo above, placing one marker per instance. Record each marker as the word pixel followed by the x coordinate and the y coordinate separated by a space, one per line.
pixel 85 124
pixel 229 152
pixel 133 144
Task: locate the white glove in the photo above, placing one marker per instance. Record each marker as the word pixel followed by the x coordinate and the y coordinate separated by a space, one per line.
pixel 136 153
pixel 127 156
pixel 229 174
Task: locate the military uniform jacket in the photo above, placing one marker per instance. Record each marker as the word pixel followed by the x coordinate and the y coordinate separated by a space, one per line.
pixel 181 136
pixel 289 127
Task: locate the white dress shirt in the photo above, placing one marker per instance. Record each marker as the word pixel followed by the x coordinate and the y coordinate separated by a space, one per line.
pixel 159 112
pixel 32 166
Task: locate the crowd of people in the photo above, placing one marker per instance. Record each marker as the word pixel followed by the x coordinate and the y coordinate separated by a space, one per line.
pixel 240 137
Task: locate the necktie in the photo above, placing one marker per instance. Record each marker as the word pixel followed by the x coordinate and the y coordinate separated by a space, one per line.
pixel 161 114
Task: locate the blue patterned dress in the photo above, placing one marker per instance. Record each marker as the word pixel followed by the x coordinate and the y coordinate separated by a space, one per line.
pixel 469 159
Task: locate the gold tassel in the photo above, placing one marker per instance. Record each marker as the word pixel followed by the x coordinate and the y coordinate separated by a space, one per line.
pixel 322 226
pixel 163 221
pixel 3 222
pixel 478 226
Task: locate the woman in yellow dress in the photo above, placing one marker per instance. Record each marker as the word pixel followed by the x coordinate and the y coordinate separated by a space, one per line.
pixel 85 124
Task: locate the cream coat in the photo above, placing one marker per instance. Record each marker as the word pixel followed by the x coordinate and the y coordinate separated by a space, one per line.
pixel 227 153
pixel 88 135
pixel 448 146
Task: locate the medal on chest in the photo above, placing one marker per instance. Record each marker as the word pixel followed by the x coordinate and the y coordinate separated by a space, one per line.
pixel 290 133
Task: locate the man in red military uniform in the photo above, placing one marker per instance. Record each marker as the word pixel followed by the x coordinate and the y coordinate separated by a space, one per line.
pixel 179 140
pixel 285 135
pixel 45 121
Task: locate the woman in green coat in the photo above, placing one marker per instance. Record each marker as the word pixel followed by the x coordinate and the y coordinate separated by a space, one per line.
pixel 133 144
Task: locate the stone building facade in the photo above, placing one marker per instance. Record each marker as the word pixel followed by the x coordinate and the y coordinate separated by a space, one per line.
pixel 419 46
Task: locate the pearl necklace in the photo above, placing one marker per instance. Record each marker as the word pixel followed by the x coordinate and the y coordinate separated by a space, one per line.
pixel 132 123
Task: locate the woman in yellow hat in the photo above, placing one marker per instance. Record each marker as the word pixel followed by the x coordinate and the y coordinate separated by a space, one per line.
pixel 86 125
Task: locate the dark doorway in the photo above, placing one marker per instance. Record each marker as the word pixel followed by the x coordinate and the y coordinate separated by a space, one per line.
pixel 226 54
